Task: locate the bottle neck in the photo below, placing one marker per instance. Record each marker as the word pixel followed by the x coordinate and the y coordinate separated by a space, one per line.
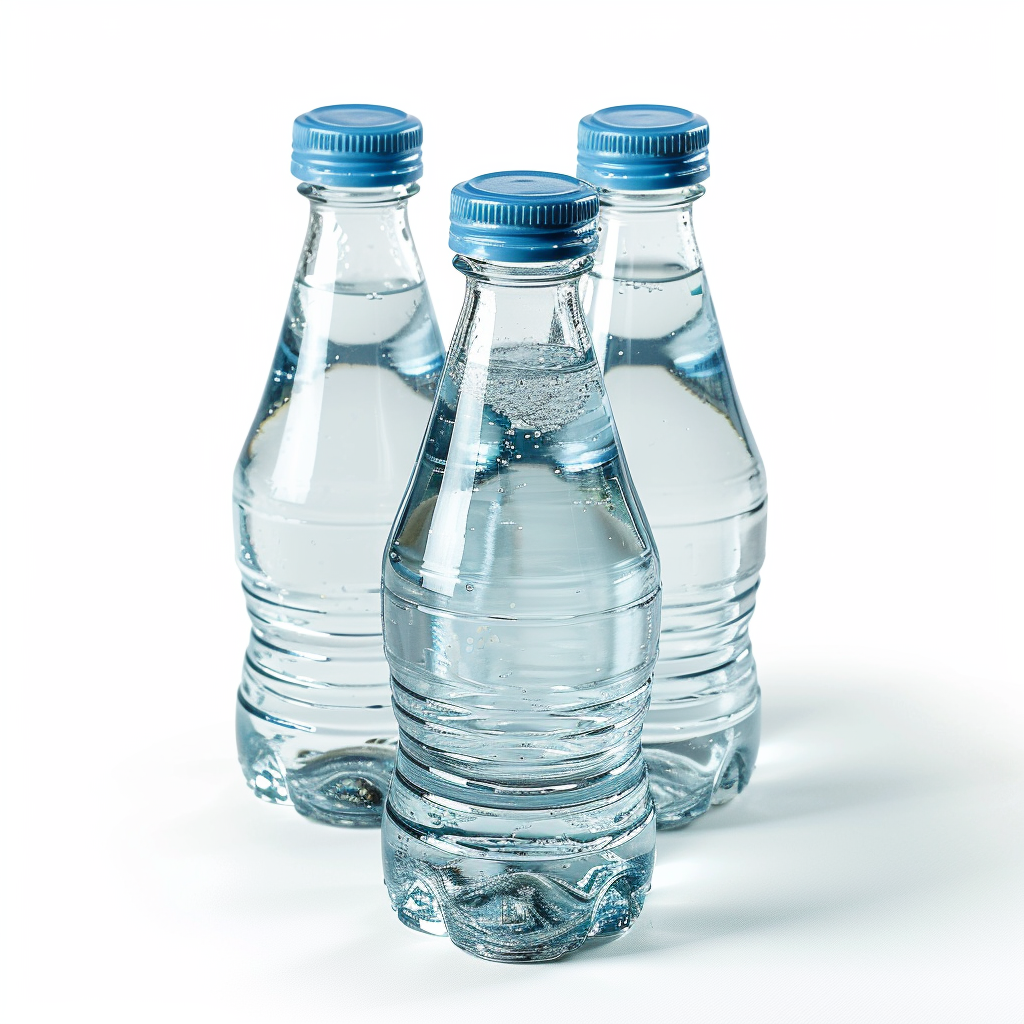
pixel 358 239
pixel 647 236
pixel 510 305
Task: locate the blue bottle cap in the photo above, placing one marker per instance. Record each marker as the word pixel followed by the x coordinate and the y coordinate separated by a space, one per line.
pixel 357 145
pixel 643 147
pixel 523 217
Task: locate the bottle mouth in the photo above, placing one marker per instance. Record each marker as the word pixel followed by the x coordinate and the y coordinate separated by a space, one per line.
pixel 539 273
pixel 650 199
pixel 337 195
pixel 524 245
pixel 647 176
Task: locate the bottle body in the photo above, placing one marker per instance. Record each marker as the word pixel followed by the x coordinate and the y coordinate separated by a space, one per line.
pixel 321 473
pixel 521 604
pixel 702 482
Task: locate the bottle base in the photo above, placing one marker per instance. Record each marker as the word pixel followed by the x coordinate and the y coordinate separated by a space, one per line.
pixel 344 787
pixel 512 908
pixel 690 776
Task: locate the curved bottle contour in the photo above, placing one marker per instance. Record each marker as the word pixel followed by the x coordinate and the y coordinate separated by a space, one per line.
pixel 321 473
pixel 521 608
pixel 700 476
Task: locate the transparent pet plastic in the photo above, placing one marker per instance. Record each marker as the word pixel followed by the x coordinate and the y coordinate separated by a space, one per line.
pixel 521 610
pixel 702 483
pixel 316 487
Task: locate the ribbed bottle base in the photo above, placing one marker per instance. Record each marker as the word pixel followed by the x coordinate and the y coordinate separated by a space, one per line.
pixel 691 775
pixel 344 785
pixel 533 888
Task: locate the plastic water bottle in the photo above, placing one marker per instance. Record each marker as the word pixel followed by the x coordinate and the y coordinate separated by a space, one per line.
pixel 324 468
pixel 521 608
pixel 696 467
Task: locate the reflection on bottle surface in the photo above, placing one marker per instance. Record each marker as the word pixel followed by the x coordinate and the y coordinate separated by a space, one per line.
pixel 701 480
pixel 521 605
pixel 316 489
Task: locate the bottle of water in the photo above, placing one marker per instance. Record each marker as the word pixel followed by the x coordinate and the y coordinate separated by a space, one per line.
pixel 324 468
pixel 521 608
pixel 692 455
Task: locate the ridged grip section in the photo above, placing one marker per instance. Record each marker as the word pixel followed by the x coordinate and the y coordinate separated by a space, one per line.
pixel 673 143
pixel 342 140
pixel 526 215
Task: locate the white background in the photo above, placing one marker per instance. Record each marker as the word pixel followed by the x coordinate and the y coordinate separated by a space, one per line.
pixel 862 232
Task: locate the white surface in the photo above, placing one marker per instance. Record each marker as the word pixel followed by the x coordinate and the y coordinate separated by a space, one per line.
pixel 861 232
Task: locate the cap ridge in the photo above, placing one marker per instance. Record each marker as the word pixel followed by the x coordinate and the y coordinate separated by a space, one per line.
pixel 667 145
pixel 357 145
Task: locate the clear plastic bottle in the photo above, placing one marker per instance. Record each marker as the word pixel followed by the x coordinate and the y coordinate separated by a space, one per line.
pixel 693 458
pixel 324 468
pixel 521 606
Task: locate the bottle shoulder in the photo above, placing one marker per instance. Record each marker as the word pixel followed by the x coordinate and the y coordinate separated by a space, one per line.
pixel 529 536
pixel 347 399
pixel 669 380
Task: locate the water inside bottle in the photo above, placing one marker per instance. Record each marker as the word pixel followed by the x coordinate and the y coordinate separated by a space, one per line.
pixel 321 475
pixel 701 481
pixel 521 609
